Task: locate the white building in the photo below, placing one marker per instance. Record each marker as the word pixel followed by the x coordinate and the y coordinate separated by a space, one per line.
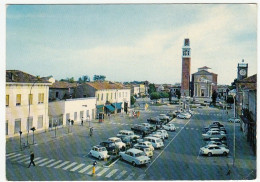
pixel 73 109
pixel 111 97
pixel 26 103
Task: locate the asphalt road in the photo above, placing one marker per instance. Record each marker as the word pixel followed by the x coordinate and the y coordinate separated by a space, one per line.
pixel 65 158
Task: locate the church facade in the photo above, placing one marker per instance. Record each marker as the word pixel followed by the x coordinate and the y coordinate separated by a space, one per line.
pixel 203 84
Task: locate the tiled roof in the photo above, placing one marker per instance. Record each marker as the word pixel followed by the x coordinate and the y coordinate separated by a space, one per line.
pixel 105 85
pixel 62 84
pixel 17 76
pixel 204 67
pixel 249 83
pixel 202 72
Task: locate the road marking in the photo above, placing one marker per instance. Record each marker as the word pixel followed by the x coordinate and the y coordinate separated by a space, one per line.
pixel 13 156
pixel 33 160
pixel 24 159
pixel 53 164
pixel 91 171
pixel 77 167
pixel 85 168
pixel 130 176
pixel 167 146
pixel 18 158
pixel 120 175
pixel 111 173
pixel 62 164
pixel 9 154
pixel 67 167
pixel 41 161
pixel 141 177
pixel 102 172
pixel 45 163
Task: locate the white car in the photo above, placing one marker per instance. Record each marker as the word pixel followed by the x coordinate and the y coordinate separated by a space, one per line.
pixel 214 134
pixel 156 142
pixel 164 117
pixel 130 138
pixel 214 150
pixel 117 141
pixel 157 135
pixel 99 152
pixel 184 115
pixel 124 133
pixel 232 120
pixel 145 143
pixel 135 157
pixel 170 127
pixel 164 133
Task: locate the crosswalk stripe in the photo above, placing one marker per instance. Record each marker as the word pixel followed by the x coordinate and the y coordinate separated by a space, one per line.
pixel 111 173
pixel 102 172
pixel 130 176
pixel 19 158
pixel 53 164
pixel 9 154
pixel 62 164
pixel 37 158
pixel 45 163
pixel 67 167
pixel 120 175
pixel 28 158
pixel 77 167
pixel 41 161
pixel 13 156
pixel 96 168
pixel 141 177
pixel 84 169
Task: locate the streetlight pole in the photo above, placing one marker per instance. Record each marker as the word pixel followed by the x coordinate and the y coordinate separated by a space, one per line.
pixel 20 132
pixel 234 139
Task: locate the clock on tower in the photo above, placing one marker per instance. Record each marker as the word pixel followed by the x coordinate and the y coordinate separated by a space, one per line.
pixel 242 70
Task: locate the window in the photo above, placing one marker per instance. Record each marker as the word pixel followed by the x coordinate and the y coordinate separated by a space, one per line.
pixel 57 94
pixel 40 121
pixel 29 123
pixel 101 96
pixel 126 94
pixel 97 96
pixel 111 96
pixel 123 94
pixel 17 125
pixel 119 94
pixel 81 114
pixel 87 113
pixel 75 116
pixel 107 97
pixel 18 99
pixel 115 95
pixel 40 98
pixel 7 100
pixel 30 99
pixel 6 127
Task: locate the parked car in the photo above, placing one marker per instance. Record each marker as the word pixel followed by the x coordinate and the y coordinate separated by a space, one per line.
pixel 156 142
pixel 214 150
pixel 218 123
pixel 157 135
pixel 99 152
pixel 164 117
pixel 232 120
pixel 218 140
pixel 145 143
pixel 214 134
pixel 218 143
pixel 117 141
pixel 140 129
pixel 156 122
pixel 110 146
pixel 171 115
pixel 149 126
pixel 147 150
pixel 191 111
pixel 123 133
pixel 184 115
pixel 131 139
pixel 134 156
pixel 169 127
pixel 164 133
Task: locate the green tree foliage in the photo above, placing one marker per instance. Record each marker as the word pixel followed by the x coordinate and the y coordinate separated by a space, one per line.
pixel 84 79
pixel 71 80
pixel 170 96
pixel 164 95
pixel 151 88
pixel 178 93
pixel 132 100
pixel 214 97
pixel 99 78
pixel 155 96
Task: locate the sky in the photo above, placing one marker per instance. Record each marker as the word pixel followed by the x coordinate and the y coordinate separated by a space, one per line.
pixel 130 42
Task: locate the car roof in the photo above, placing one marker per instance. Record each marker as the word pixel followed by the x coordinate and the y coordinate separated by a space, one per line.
pixel 142 146
pixel 125 131
pixel 99 146
pixel 213 145
pixel 113 138
pixel 154 138
pixel 107 142
pixel 133 150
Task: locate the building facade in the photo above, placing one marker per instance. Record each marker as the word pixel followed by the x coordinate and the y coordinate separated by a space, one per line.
pixel 61 90
pixel 203 84
pixel 186 59
pixel 26 103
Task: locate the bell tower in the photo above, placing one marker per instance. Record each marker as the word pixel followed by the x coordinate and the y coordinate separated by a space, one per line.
pixel 242 69
pixel 185 79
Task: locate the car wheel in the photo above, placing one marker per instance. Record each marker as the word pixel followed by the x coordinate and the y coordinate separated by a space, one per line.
pixel 133 163
pixel 209 154
pixel 225 153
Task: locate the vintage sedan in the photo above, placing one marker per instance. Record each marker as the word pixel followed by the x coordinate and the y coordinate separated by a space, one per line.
pixel 169 127
pixel 232 120
pixel 214 150
pixel 145 143
pixel 99 152
pixel 117 141
pixel 135 157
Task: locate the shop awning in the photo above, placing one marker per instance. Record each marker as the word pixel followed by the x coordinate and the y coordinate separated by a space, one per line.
pixel 110 108
pixel 117 105
pixel 100 106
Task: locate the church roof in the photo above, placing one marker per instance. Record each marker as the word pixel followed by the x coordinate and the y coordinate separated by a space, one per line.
pixel 204 67
pixel 202 72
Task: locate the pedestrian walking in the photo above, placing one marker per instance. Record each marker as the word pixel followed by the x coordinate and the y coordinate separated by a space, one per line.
pixel 109 115
pixel 227 112
pixel 31 159
pixel 91 131
pixel 82 121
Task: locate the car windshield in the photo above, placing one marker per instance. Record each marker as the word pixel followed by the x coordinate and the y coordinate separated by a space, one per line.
pixel 117 140
pixel 102 149
pixel 139 154
pixel 158 140
pixel 147 149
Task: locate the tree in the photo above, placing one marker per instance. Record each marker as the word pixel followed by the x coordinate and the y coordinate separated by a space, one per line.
pixel 178 93
pixel 155 96
pixel 132 100
pixel 99 78
pixel 151 88
pixel 71 80
pixel 164 95
pixel 170 96
pixel 214 97
pixel 84 79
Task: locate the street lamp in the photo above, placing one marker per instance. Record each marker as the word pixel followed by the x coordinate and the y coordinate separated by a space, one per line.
pixel 233 93
pixel 33 129
pixel 20 132
pixel 55 125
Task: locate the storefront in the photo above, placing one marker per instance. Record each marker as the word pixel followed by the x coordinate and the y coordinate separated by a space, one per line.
pixel 117 106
